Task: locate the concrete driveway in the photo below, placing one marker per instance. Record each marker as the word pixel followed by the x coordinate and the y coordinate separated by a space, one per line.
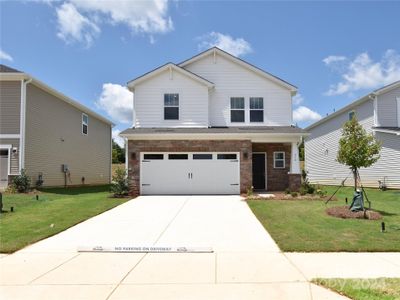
pixel 246 262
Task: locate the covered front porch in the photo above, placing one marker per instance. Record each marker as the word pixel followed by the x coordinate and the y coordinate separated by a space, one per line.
pixel 275 166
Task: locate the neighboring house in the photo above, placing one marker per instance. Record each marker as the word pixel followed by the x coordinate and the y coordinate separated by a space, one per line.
pixel 213 124
pixel 379 113
pixel 47 133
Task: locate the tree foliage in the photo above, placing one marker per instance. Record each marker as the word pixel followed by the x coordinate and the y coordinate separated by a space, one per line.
pixel 357 148
pixel 118 153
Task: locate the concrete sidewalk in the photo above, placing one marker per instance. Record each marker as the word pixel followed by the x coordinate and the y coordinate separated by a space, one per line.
pixel 246 262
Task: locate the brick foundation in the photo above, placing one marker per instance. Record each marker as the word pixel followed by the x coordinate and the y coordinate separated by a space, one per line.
pixel 136 147
pixel 294 182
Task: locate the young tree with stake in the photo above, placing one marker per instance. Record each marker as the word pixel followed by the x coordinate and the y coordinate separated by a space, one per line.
pixel 357 148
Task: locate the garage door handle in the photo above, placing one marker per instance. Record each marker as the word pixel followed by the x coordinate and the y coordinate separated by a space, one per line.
pixel 145 184
pixel 234 183
pixel 190 175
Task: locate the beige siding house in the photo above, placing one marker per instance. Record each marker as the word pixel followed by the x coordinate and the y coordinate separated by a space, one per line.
pixel 54 138
pixel 379 113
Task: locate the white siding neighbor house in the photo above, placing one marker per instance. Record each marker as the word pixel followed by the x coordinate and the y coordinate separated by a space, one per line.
pixel 213 124
pixel 57 140
pixel 379 113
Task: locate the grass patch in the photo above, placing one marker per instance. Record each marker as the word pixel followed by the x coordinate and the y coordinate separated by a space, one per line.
pixel 32 219
pixel 364 289
pixel 303 225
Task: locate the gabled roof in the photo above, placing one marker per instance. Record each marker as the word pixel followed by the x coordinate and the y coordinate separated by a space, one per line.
pixel 169 66
pixel 242 63
pixel 359 101
pixel 7 69
pixel 12 74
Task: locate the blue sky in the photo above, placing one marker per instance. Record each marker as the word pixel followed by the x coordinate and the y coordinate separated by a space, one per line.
pixel 333 52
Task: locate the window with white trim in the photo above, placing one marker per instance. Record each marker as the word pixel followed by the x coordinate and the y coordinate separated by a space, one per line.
pixel 352 114
pixel 256 109
pixel 279 160
pixel 85 123
pixel 171 106
pixel 237 109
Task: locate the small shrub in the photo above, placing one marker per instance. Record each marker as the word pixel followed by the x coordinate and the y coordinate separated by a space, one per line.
pixel 11 189
pixel 119 184
pixel 287 191
pixel 250 191
pixel 294 194
pixel 310 189
pixel 22 182
pixel 321 192
pixel 303 190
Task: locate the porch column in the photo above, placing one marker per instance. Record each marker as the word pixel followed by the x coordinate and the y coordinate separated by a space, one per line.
pixel 295 160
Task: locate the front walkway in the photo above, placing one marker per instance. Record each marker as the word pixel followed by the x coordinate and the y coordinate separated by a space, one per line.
pixel 245 264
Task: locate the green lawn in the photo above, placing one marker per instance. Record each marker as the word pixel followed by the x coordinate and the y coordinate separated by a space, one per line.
pixel 364 289
pixel 302 225
pixel 32 219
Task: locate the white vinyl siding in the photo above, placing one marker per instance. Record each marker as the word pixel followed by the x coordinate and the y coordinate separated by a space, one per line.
pixel 387 108
pixel 321 149
pixel 231 79
pixel 149 101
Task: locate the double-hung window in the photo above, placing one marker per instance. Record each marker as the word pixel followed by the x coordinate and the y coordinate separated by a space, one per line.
pixel 256 109
pixel 352 114
pixel 171 106
pixel 85 123
pixel 237 109
pixel 279 160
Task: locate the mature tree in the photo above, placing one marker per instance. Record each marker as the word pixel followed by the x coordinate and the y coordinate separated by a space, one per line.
pixel 118 153
pixel 357 149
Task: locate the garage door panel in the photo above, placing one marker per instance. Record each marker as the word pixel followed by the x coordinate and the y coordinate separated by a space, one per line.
pixel 190 176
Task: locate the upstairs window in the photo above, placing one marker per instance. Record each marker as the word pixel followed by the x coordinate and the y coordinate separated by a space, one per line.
pixel 256 109
pixel 237 109
pixel 352 114
pixel 85 122
pixel 171 106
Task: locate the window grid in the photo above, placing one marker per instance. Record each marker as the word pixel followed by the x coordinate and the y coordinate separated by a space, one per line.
pixel 85 123
pixel 279 160
pixel 256 109
pixel 171 106
pixel 237 109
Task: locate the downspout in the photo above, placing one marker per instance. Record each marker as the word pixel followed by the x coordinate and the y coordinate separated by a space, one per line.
pixel 24 83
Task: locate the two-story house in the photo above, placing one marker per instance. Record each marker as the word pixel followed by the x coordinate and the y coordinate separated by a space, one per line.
pixel 379 113
pixel 57 140
pixel 213 124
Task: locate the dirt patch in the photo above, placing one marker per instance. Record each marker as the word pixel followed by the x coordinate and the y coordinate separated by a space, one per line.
pixel 345 213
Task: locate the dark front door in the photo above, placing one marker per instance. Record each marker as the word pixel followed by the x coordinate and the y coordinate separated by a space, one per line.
pixel 259 171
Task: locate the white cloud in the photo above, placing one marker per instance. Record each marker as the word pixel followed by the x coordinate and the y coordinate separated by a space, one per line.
pixel 297 99
pixel 117 101
pixel 364 73
pixel 72 26
pixel 304 114
pixel 236 47
pixel 5 56
pixel 80 20
pixel 333 59
pixel 119 140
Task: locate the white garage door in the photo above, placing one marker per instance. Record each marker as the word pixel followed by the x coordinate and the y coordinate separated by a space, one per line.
pixel 190 173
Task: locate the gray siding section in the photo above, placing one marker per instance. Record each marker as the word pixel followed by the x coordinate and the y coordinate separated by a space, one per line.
pixel 10 105
pixel 14 157
pixel 387 108
pixel 321 149
pixel 54 137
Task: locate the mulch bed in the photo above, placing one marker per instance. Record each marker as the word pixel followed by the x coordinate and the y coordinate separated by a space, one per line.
pixel 345 213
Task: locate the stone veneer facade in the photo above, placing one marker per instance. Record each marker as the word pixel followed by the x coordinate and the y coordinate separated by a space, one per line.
pixel 277 179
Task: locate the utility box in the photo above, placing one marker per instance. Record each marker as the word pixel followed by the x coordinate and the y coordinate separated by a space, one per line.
pixel 64 168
